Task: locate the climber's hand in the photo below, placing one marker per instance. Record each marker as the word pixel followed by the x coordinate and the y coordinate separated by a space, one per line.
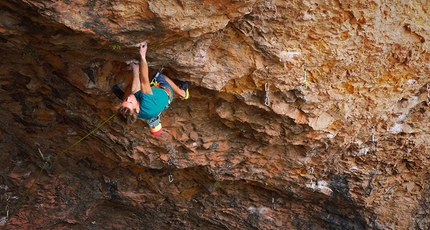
pixel 142 51
pixel 135 66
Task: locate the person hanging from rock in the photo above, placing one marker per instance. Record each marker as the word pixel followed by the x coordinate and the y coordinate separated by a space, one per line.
pixel 146 99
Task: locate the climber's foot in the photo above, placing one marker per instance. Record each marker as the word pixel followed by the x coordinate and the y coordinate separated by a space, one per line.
pixel 184 86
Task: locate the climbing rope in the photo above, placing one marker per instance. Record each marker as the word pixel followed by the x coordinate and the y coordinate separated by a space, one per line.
pixel 88 134
pixel 305 81
pixel 20 203
pixel 266 89
pixel 170 170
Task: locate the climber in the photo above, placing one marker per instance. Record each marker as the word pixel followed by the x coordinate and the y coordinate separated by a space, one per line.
pixel 144 99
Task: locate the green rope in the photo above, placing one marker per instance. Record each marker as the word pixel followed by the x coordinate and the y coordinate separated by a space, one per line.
pixel 46 162
pixel 79 141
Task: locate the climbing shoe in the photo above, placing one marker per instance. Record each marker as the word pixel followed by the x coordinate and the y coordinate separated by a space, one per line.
pixel 184 86
pixel 118 92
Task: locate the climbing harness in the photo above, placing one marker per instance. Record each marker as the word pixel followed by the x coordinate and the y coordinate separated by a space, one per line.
pixel 428 94
pixel 311 183
pixel 266 88
pixel 154 84
pixel 305 81
pixel 273 201
pixel 43 168
pixel 170 170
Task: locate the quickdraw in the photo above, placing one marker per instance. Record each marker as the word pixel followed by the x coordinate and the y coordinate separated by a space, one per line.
pixel 273 201
pixel 311 183
pixel 7 207
pixel 305 81
pixel 428 94
pixel 373 139
pixel 40 152
pixel 266 88
pixel 170 170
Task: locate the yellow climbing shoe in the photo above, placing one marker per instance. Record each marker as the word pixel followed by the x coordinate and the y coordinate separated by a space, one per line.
pixel 184 86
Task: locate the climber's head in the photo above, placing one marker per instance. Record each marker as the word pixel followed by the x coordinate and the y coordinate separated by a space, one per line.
pixel 129 109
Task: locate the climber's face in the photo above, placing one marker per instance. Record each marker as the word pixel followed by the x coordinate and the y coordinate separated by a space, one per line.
pixel 131 103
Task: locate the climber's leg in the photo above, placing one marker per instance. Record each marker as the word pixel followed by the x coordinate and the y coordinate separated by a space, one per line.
pixel 181 91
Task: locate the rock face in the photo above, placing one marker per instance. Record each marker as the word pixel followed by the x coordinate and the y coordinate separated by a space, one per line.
pixel 303 115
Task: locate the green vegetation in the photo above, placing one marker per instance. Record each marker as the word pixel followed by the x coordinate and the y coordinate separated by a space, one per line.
pixel 217 184
pixel 29 51
pixel 116 47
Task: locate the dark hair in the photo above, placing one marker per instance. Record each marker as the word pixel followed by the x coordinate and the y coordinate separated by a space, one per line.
pixel 127 115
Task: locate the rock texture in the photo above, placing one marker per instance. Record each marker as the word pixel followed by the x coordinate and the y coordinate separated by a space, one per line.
pixel 303 115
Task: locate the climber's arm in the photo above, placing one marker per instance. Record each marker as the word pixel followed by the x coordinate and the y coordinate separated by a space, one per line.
pixel 144 75
pixel 135 86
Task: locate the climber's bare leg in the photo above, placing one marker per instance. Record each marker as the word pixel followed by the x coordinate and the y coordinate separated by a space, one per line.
pixel 175 88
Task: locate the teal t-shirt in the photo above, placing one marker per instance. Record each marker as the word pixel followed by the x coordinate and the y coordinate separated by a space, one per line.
pixel 152 104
